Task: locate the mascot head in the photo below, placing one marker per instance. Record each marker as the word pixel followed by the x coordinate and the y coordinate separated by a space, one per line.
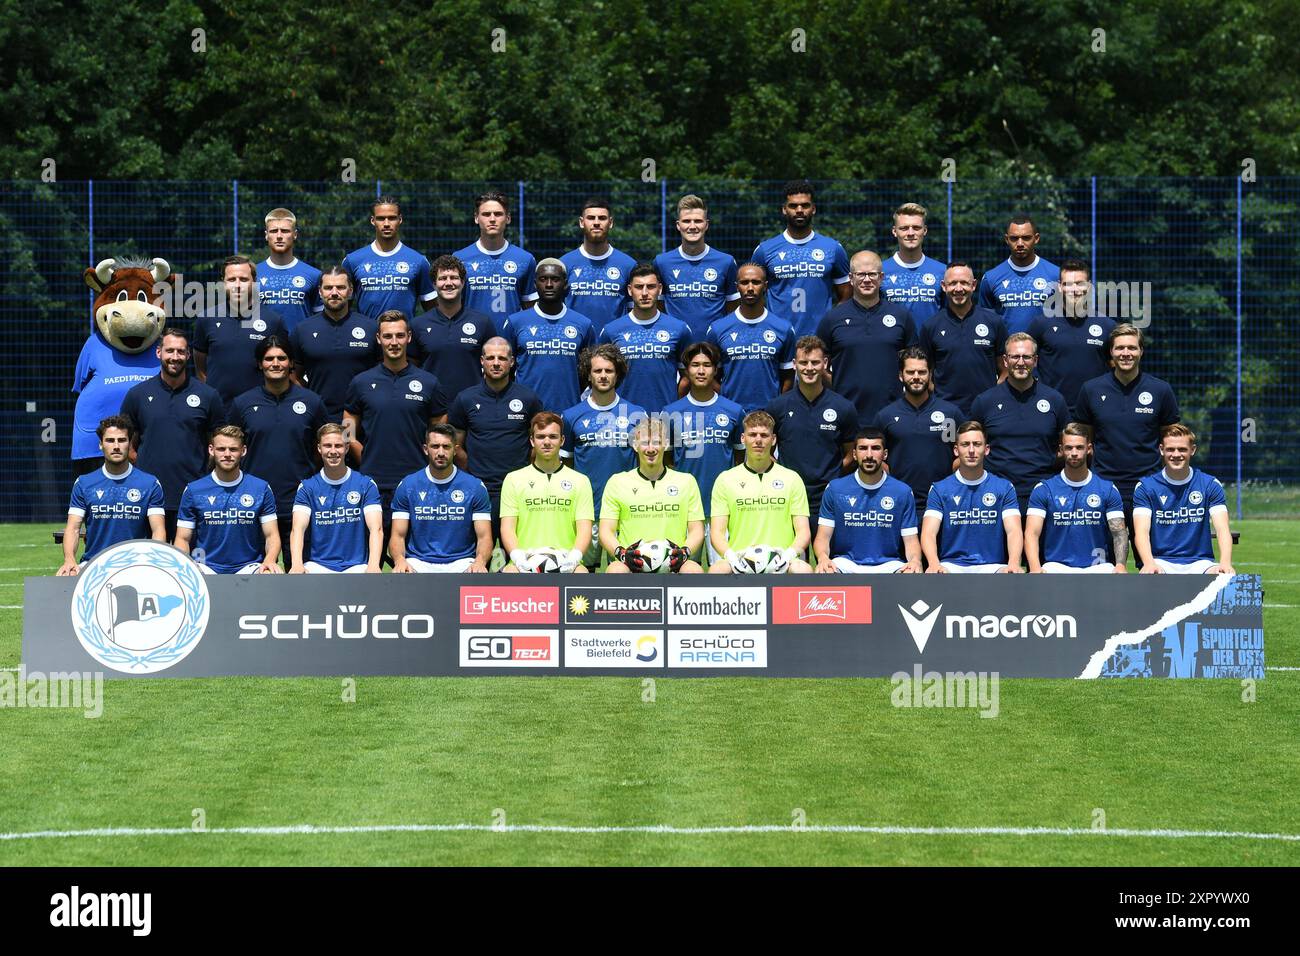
pixel 127 313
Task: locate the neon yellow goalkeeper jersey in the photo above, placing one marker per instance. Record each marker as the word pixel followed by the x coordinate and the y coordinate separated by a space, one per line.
pixel 651 510
pixel 546 507
pixel 759 507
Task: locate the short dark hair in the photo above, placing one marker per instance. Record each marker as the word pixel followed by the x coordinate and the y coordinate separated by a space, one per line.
pixel 385 201
pixel 1078 430
pixel 959 264
pixel 1022 221
pixel 596 202
pixel 795 187
pixel 708 349
pixel 481 198
pixel 237 261
pixel 175 333
pixel 338 270
pixel 393 315
pixel 642 269
pixel 870 433
pixel 610 353
pixel 811 343
pixel 1076 265
pixel 447 264
pixel 443 429
pixel 914 352
pixel 272 342
pixel 116 421
pixel 972 426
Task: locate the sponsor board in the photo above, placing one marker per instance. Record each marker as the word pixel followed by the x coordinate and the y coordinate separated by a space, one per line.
pixel 509 605
pixel 717 605
pixel 509 647
pixel 727 647
pixel 613 605
pixel 639 647
pixel 846 605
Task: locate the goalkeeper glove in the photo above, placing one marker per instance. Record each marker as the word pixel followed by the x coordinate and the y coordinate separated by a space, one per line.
pixel 677 556
pixel 570 561
pixel 631 557
pixel 787 556
pixel 519 558
pixel 737 563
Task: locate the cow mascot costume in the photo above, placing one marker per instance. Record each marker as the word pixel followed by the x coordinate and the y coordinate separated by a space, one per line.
pixel 120 352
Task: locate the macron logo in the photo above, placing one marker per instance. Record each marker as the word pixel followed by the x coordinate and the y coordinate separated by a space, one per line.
pixel 920 624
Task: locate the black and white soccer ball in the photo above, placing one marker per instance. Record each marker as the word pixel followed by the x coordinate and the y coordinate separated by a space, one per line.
pixel 543 560
pixel 653 553
pixel 761 559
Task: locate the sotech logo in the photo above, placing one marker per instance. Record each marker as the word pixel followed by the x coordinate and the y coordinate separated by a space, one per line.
pixel 506 605
pixel 516 647
pixel 921 619
pixel 627 605
pixel 849 605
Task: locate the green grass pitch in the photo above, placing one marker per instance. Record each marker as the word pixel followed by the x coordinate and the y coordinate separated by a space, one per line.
pixel 1176 755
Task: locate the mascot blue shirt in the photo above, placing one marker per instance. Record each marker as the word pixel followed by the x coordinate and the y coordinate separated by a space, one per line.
pixel 103 377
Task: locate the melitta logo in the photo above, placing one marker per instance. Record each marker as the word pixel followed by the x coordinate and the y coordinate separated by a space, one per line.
pixel 921 619
pixel 509 605
pixel 850 605
pixel 586 605
pixel 350 623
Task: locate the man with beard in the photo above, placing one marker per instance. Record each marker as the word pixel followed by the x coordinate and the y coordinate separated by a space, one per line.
pixel 919 428
pixel 964 341
pixel 333 347
pixel 757 347
pixel 442 519
pixel 1017 288
pixel 449 337
pixel 597 272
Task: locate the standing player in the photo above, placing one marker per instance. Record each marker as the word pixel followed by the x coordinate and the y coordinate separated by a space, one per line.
pixel 287 284
pixel 341 510
pixel 225 341
pixel 1022 420
pixel 500 274
pixel 651 503
pixel 809 272
pixel 972 522
pixel 911 277
pixel 229 516
pixel 699 281
pixel 1174 510
pixel 117 503
pixel 759 502
pixel 964 341
pixel 449 337
pixel 919 428
pixel 547 338
pixel 545 505
pixel 1075 517
pixel 867 522
pixel 442 519
pixel 651 341
pixel 174 413
pixel 280 421
pixel 757 347
pixel 1017 288
pixel 597 272
pixel 864 335
pixel 387 274
pixel 333 347
pixel 1072 344
pixel 814 425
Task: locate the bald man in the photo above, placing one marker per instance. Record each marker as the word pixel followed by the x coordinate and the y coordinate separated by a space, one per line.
pixel 864 334
pixel 547 337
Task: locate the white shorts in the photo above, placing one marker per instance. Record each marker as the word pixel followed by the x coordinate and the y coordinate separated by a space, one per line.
pixel 311 567
pixel 845 566
pixel 1203 566
pixel 428 567
pixel 971 568
pixel 1056 567
pixel 246 569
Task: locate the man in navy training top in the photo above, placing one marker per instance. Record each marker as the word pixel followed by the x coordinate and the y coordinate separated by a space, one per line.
pixel 225 340
pixel 442 519
pixel 864 335
pixel 919 429
pixel 809 272
pixel 1017 288
pixel 286 283
pixel 699 281
pixel 500 274
pixel 547 337
pixel 757 346
pixel 340 509
pixel 1075 520
pixel 867 521
pixel 651 341
pixel 119 502
pixel 386 273
pixel 174 413
pixel 1175 509
pixel 972 523
pixel 597 272
pixel 911 277
pixel 228 517
pixel 335 345
pixel 964 341
pixel 1071 336
pixel 449 337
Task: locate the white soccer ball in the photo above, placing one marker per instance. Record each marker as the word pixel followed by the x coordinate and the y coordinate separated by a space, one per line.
pixel 761 559
pixel 655 553
pixel 543 560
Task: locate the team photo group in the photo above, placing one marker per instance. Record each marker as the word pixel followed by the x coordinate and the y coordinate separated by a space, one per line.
pixel 806 410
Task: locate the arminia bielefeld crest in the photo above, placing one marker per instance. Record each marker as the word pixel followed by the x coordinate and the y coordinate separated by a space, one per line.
pixel 139 607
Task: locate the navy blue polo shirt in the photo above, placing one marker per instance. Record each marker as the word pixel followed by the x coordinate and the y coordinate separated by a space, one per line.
pixel 394 409
pixel 1126 422
pixel 1023 430
pixel 230 343
pixel 174 427
pixel 864 346
pixel 450 348
pixel 1070 352
pixel 919 441
pixel 333 353
pixel 963 353
pixel 496 429
pixel 811 435
pixel 281 436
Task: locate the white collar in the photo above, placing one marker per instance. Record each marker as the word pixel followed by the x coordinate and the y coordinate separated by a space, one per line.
pixel 489 252
pixel 379 252
pixel 428 473
pixel 347 473
pixel 1076 484
pixel 681 251
pixel 564 310
pixel 288 265
pixel 908 265
pixel 968 483
pixel 1022 268
pixel 1164 473
pixel 858 478
pixel 582 251
pixel 603 408
pixel 126 474
pixel 227 484
pixel 637 321
pixel 751 321
pixel 798 242
pixel 698 404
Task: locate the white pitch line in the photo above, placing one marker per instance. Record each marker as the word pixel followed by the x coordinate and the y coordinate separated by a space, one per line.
pixel 1282 668
pixel 308 829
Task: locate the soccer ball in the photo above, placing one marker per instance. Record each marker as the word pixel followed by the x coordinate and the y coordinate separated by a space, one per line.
pixel 760 559
pixel 543 560
pixel 655 553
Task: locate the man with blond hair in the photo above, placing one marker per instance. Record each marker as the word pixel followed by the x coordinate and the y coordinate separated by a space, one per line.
pixel 286 283
pixel 911 278
pixel 699 281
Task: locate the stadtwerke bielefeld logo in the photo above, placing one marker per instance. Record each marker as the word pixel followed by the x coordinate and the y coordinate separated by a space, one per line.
pixel 139 607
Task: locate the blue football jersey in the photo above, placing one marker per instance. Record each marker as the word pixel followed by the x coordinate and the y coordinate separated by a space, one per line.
pixel 103 377
pixel 705 437
pixel 915 286
pixel 441 514
pixel 227 519
pixel 1074 518
pixel 338 524
pixel 596 440
pixel 802 276
pixel 971 514
pixel 654 357
pixel 697 288
pixel 754 353
pixel 499 283
pixel 597 287
pixel 389 280
pixel 115 508
pixel 1180 514
pixel 1018 294
pixel 870 521
pixel 293 290
pixel 546 351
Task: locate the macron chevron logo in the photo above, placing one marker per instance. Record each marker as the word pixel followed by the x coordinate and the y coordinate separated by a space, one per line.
pixel 920 622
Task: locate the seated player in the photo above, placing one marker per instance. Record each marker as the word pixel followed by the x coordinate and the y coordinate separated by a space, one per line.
pixel 651 503
pixel 117 503
pixel 546 509
pixel 1076 516
pixel 1174 510
pixel 341 508
pixel 442 518
pixel 867 522
pixel 759 503
pixel 972 519
pixel 229 516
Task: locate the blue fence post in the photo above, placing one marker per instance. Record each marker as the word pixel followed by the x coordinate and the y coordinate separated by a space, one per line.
pixel 663 215
pixel 235 213
pixel 520 183
pixel 1238 425
pixel 379 188
pixel 90 241
pixel 1092 246
pixel 950 220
